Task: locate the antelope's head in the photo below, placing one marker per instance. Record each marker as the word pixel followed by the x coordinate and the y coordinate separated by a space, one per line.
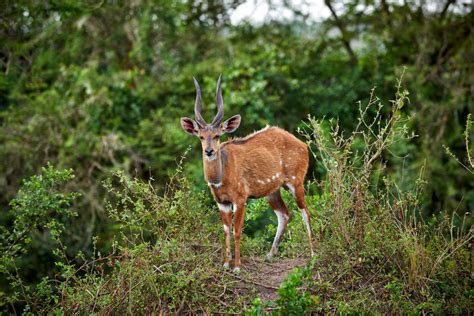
pixel 209 133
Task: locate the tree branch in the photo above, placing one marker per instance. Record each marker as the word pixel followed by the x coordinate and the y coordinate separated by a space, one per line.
pixel 445 9
pixel 345 37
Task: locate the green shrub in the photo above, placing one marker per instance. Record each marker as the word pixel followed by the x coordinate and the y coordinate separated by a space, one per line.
pixel 377 254
pixel 39 214
pixel 293 298
pixel 166 256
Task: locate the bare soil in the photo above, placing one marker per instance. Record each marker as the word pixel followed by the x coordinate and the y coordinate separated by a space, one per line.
pixel 265 277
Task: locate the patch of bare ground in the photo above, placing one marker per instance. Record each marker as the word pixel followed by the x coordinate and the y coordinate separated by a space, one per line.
pixel 263 277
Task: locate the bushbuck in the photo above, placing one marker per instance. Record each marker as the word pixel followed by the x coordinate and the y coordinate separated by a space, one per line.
pixel 251 167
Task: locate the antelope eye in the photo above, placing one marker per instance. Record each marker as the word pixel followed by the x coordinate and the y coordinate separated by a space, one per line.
pixel 201 138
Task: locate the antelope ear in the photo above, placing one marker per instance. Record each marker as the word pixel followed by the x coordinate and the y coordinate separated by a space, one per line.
pixel 231 124
pixel 189 126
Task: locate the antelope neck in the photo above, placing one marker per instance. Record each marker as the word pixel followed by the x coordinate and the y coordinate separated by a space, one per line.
pixel 214 170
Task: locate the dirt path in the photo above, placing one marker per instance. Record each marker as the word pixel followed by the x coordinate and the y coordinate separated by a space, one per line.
pixel 266 277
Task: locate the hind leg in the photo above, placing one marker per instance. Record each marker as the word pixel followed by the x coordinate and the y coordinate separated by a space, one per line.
pixel 298 193
pixel 283 215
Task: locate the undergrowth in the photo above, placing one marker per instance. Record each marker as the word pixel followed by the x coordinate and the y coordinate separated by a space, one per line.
pixel 166 255
pixel 376 253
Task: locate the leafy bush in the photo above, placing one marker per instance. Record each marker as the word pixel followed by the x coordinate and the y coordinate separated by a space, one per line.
pixel 166 255
pixel 39 214
pixel 376 251
pixel 292 299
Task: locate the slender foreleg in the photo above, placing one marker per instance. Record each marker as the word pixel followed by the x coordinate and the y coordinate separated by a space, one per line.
pixel 226 216
pixel 239 209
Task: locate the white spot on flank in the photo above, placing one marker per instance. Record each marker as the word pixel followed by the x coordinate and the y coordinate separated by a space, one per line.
pixel 293 177
pixel 268 180
pixel 216 185
pixel 273 177
pixel 226 208
pixel 260 181
pixel 281 163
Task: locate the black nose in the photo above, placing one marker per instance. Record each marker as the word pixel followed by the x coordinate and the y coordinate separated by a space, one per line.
pixel 209 152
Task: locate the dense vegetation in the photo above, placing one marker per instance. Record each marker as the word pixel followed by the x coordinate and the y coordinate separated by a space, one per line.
pixel 102 204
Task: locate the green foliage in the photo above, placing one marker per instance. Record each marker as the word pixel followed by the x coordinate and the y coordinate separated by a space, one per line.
pixel 99 88
pixel 37 204
pixel 165 257
pixel 99 106
pixel 377 253
pixel 39 214
pixel 469 151
pixel 292 299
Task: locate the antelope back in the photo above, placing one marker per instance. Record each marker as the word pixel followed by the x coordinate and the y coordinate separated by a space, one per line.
pixel 268 159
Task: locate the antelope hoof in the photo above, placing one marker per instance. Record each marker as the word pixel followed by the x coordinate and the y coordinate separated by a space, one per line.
pixel 236 270
pixel 226 265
